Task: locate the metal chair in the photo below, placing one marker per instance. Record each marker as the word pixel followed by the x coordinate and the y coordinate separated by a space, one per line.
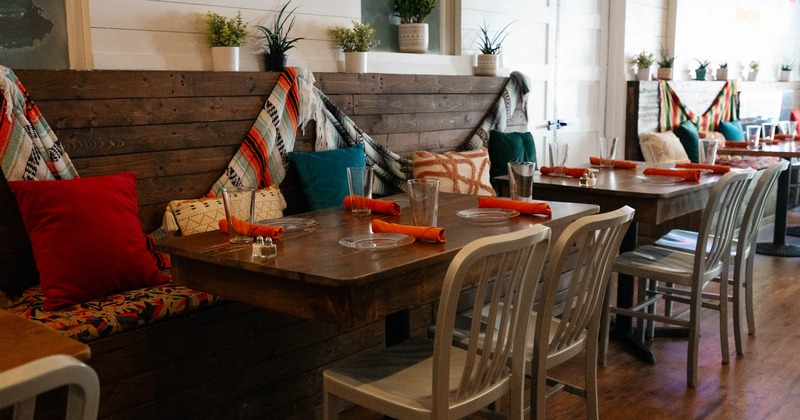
pixel 742 249
pixel 690 271
pixel 421 378
pixel 20 386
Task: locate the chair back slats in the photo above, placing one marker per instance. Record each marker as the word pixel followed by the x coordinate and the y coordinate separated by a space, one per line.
pixel 757 204
pixel 505 270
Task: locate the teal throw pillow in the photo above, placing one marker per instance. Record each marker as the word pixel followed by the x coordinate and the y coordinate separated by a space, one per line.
pixel 731 130
pixel 690 139
pixel 324 174
pixel 509 147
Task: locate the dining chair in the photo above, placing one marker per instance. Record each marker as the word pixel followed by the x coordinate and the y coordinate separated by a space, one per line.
pixel 421 378
pixel 742 249
pixel 588 246
pixel 20 386
pixel 687 273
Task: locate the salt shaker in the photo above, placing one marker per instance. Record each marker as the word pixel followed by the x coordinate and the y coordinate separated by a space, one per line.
pixel 264 248
pixel 591 180
pixel 583 181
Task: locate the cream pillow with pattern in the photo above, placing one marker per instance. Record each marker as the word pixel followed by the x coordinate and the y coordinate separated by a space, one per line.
pixel 457 172
pixel 662 148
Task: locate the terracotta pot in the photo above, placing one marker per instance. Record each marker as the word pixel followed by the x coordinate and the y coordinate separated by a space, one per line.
pixel 413 37
pixel 355 62
pixel 722 74
pixel 487 65
pixel 225 58
pixel 275 62
pixel 664 73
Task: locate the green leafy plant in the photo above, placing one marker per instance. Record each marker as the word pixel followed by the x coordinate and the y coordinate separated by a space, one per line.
pixel 488 44
pixel 702 64
pixel 413 11
pixel 754 65
pixel 723 65
pixel 788 63
pixel 665 60
pixel 643 60
pixel 359 38
pixel 276 38
pixel 223 32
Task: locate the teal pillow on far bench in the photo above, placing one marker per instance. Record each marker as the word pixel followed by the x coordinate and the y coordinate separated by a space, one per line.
pixel 324 174
pixel 690 139
pixel 509 147
pixel 732 130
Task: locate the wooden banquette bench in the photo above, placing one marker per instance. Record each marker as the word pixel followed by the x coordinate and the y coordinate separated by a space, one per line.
pixel 177 131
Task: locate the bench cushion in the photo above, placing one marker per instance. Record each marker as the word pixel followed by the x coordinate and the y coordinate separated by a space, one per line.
pixel 458 172
pixel 113 314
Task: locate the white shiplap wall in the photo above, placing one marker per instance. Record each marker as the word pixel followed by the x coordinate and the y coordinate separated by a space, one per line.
pixel 646 28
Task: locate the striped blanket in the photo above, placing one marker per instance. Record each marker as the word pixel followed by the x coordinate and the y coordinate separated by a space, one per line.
pixel 673 112
pixel 29 150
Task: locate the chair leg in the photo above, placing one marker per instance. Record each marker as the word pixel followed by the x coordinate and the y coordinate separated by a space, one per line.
pixel 538 392
pixel 748 284
pixel 330 406
pixel 723 315
pixel 694 337
pixel 590 385
pixel 605 325
pixel 737 305
pixel 651 325
pixel 641 294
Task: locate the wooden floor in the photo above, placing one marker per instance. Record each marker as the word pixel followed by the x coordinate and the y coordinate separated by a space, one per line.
pixel 764 384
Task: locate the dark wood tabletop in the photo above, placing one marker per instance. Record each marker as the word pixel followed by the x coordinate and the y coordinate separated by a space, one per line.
pixel 315 277
pixel 25 341
pixel 783 149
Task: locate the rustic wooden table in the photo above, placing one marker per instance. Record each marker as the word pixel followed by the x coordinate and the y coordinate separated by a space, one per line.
pixel 25 341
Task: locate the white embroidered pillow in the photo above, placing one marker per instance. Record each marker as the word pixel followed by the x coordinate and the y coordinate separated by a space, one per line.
pixel 202 215
pixel 458 172
pixel 662 148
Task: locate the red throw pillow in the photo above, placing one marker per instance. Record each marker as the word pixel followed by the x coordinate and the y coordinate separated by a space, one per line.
pixel 795 116
pixel 86 237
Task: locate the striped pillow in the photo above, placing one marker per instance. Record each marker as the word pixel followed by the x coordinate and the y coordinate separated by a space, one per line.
pixel 458 172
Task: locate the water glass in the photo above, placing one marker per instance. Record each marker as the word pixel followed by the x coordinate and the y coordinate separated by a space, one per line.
pixel 359 180
pixel 239 207
pixel 558 158
pixel 520 180
pixel 423 195
pixel 708 151
pixel 753 135
pixel 768 132
pixel 607 151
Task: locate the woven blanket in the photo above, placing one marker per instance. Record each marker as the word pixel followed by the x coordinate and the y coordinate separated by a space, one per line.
pixel 29 150
pixel 673 112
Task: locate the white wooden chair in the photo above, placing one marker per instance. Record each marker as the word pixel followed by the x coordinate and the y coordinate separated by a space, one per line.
pixel 425 379
pixel 20 386
pixel 688 273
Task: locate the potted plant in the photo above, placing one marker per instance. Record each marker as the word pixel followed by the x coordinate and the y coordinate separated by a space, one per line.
pixel 225 36
pixel 754 65
pixel 489 46
pixel 702 68
pixel 277 41
pixel 643 61
pixel 665 63
pixel 412 34
pixel 355 42
pixel 722 71
pixel 786 69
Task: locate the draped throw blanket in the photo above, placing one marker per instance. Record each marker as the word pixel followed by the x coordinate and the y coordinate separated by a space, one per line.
pixel 29 150
pixel 673 112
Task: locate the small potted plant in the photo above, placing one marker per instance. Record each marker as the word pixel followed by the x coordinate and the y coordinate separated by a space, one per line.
pixel 665 63
pixel 643 61
pixel 489 46
pixel 355 42
pixel 722 71
pixel 786 69
pixel 754 65
pixel 277 41
pixel 225 36
pixel 412 34
pixel 702 68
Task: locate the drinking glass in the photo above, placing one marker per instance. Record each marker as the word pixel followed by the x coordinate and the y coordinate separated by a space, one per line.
pixel 708 151
pixel 768 132
pixel 359 180
pixel 239 207
pixel 423 195
pixel 607 151
pixel 753 135
pixel 520 180
pixel 558 157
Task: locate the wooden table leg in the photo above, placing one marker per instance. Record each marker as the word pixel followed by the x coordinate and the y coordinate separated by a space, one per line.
pixel 779 247
pixel 397 327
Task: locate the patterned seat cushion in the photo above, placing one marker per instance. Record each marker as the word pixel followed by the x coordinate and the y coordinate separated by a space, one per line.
pixel 115 313
pixel 744 162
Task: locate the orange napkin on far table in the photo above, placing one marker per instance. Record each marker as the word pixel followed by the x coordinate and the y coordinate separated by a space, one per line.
pixel 618 164
pixel 378 206
pixel 425 233
pixel 783 137
pixel 686 174
pixel 734 144
pixel 520 206
pixel 573 172
pixel 718 169
pixel 252 229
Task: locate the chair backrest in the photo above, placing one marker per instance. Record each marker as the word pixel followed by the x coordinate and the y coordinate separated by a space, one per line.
pixel 505 269
pixel 718 223
pixel 757 204
pixel 20 386
pixel 597 239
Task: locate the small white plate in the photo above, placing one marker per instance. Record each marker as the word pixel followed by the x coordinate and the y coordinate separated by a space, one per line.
pixel 376 241
pixel 487 215
pixel 289 224
pixel 660 179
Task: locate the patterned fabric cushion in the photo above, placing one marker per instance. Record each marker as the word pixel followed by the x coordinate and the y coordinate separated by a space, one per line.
pixel 113 314
pixel 202 215
pixel 662 148
pixel 744 162
pixel 458 172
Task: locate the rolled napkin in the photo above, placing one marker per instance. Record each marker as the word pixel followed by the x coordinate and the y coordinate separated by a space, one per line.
pixel 378 206
pixel 783 137
pixel 522 207
pixel 425 233
pixel 718 169
pixel 252 229
pixel 686 174
pixel 573 172
pixel 735 144
pixel 618 164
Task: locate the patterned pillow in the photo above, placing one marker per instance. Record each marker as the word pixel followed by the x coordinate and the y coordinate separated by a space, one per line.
pixel 662 148
pixel 458 172
pixel 202 215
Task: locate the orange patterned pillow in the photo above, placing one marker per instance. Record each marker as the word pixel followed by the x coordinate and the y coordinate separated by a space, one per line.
pixel 458 172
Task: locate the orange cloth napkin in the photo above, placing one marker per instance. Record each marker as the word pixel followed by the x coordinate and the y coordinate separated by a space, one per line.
pixel 783 137
pixel 735 144
pixel 619 164
pixel 718 169
pixel 573 172
pixel 378 206
pixel 686 174
pixel 522 207
pixel 252 229
pixel 425 233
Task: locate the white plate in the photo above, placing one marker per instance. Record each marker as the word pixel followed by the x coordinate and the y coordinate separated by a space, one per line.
pixel 487 215
pixel 660 179
pixel 376 241
pixel 289 224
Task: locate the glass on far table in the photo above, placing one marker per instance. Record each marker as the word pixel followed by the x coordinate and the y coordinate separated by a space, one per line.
pixel 768 132
pixel 520 180
pixel 753 136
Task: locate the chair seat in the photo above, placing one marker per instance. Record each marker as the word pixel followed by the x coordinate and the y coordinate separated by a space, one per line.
pixel 665 264
pixel 686 240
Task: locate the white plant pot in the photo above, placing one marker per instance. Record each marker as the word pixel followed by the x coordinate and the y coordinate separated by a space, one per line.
pixel 643 74
pixel 225 58
pixel 355 62
pixel 664 73
pixel 487 65
pixel 785 75
pixel 751 76
pixel 413 37
pixel 722 74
